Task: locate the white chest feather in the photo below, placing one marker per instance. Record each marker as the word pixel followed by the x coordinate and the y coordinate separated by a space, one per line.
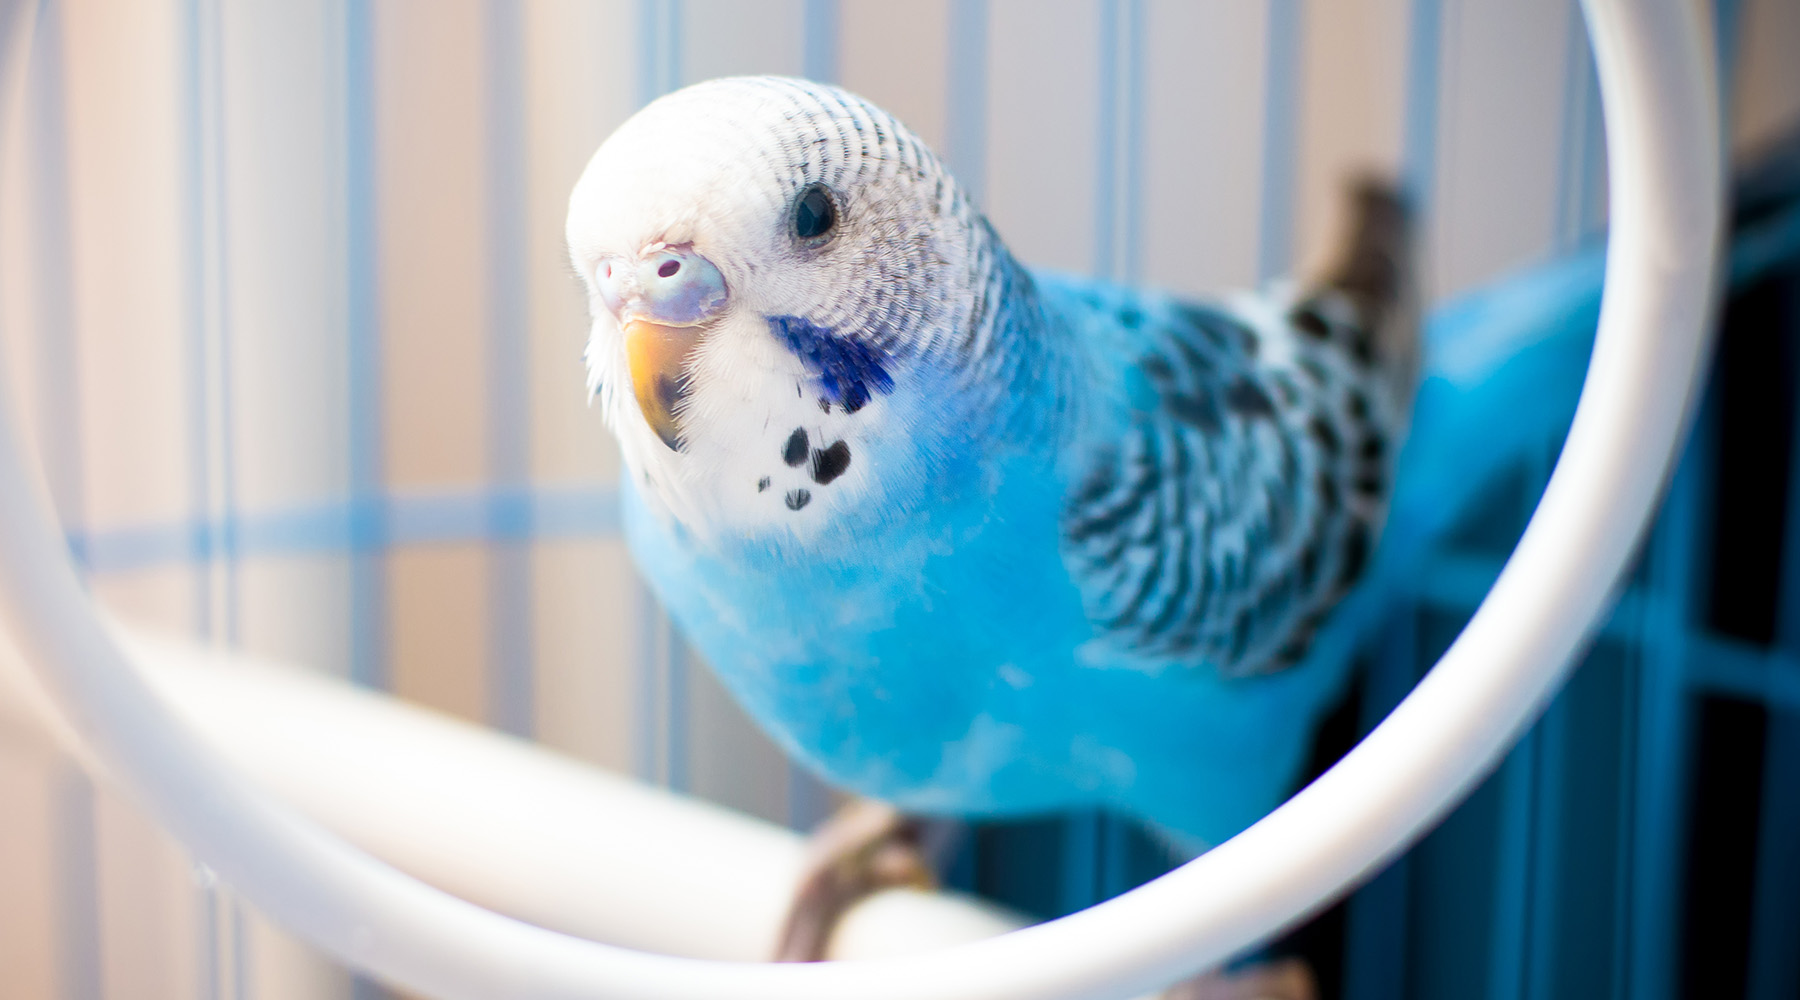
pixel 765 453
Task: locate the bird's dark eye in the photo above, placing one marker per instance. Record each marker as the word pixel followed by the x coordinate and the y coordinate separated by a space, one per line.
pixel 814 213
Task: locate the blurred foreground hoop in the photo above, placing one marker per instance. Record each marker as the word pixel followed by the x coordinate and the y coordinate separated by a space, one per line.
pixel 1655 64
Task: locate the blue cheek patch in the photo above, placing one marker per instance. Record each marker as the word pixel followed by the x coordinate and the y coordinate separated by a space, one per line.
pixel 849 371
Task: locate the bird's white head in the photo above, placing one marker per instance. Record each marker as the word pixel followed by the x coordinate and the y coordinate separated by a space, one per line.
pixel 786 287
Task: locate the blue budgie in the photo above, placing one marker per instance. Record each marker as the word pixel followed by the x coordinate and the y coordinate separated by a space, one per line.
pixel 979 540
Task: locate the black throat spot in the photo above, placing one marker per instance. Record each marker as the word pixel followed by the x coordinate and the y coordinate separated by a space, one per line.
pixel 794 452
pixel 830 463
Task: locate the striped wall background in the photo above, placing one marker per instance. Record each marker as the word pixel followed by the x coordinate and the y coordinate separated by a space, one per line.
pixel 284 309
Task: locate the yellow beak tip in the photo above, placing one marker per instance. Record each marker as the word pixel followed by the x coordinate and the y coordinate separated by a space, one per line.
pixel 658 357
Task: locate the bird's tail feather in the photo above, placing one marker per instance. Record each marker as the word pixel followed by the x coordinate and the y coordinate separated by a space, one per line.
pixel 1504 365
pixel 1376 270
pixel 1502 372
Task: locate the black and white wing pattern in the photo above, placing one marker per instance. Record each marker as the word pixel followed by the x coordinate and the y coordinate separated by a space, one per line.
pixel 1247 489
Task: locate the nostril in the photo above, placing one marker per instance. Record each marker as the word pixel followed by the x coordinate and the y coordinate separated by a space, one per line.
pixel 609 269
pixel 677 287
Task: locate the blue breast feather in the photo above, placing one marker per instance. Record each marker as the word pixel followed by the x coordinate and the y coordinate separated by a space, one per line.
pixel 930 657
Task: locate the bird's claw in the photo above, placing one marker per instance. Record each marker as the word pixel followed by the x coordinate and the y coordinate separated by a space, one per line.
pixel 863 848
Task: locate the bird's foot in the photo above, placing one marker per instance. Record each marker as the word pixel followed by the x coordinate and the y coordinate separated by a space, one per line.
pixel 861 849
pixel 1282 979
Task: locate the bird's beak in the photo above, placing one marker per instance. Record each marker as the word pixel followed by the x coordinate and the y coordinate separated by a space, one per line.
pixel 659 357
pixel 666 298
